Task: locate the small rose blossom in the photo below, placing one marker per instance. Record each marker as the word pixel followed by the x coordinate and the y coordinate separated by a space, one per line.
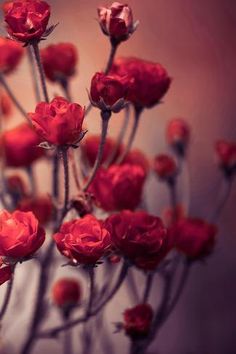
pixel 58 122
pixel 27 20
pixel 5 272
pixel 15 185
pixel 171 215
pixel 118 187
pixel 138 320
pixel 165 167
pixel 149 81
pixel 20 234
pixel 194 237
pixel 41 206
pixel 116 21
pixel 59 61
pixel 178 135
pixel 20 146
pixel 83 240
pixel 11 54
pixel 226 156
pixel 66 292
pixel 140 237
pixel 137 157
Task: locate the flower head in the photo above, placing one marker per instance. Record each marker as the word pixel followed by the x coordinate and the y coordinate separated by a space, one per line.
pixel 5 272
pixel 41 206
pixel 178 135
pixel 138 320
pixel 11 54
pixel 226 156
pixel 138 158
pixel 66 292
pixel 165 167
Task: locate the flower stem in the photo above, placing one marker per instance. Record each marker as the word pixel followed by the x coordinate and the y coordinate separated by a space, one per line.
pixel 55 187
pixel 148 287
pixel 31 176
pixel 224 196
pixel 7 298
pixel 113 50
pixel 33 74
pixel 67 340
pixel 66 180
pixel 91 290
pixel 66 89
pixel 35 47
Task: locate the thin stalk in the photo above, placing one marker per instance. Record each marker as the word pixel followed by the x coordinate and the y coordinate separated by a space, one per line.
pixel 66 180
pixel 75 170
pixel 67 341
pixel 173 199
pixel 33 74
pixel 132 287
pixel 224 196
pixel 7 297
pixel 65 88
pixel 35 47
pixel 113 50
pixel 148 287
pixel 91 290
pixel 31 176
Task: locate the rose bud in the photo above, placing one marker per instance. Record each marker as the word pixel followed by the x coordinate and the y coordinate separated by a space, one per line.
pixel 59 61
pixel 137 321
pixel 83 203
pixel 59 122
pixel 20 234
pixel 171 215
pixel 66 293
pixel 5 272
pixel 27 20
pixel 11 54
pixel 15 185
pixel 42 207
pixel 5 105
pixel 83 240
pixel 226 156
pixel 116 22
pixel 109 93
pixel 178 135
pixel 89 149
pixel 20 146
pixel 165 167
pixel 194 237
pixel 149 81
pixel 137 157
pixel 140 237
pixel 118 187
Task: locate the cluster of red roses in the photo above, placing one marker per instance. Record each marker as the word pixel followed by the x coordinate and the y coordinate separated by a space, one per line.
pixel 117 181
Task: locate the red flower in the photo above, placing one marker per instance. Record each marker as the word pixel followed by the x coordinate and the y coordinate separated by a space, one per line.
pixel 27 20
pixel 116 21
pixel 140 237
pixel 138 320
pixel 5 105
pixel 108 92
pixel 83 240
pixel 171 215
pixel 20 234
pixel 137 157
pixel 165 166
pixel 59 61
pixel 226 155
pixel 6 6
pixel 194 237
pixel 15 185
pixel 11 54
pixel 150 81
pixel 118 187
pixel 20 146
pixel 89 148
pixel 5 272
pixel 66 292
pixel 42 208
pixel 178 134
pixel 59 122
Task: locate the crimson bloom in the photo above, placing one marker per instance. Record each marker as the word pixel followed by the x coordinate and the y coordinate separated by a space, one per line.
pixel 226 156
pixel 194 237
pixel 138 320
pixel 59 122
pixel 137 157
pixel 59 61
pixel 11 54
pixel 140 237
pixel 41 206
pixel 27 20
pixel 5 272
pixel 165 166
pixel 66 292
pixel 178 134
pixel 118 187
pixel 20 234
pixel 5 105
pixel 20 146
pixel 83 240
pixel 149 81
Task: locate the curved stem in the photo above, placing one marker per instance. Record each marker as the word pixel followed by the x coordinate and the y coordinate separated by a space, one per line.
pixel 35 47
pixel 7 296
pixel 75 170
pixel 33 74
pixel 132 287
pixel 223 199
pixel 55 186
pixel 91 290
pixel 66 180
pixel 31 176
pixel 148 287
pixel 173 200
pixel 67 341
pixel 66 89
pixel 114 47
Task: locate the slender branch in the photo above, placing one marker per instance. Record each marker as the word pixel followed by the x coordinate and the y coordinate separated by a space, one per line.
pixel 224 196
pixel 67 341
pixel 148 287
pixel 66 180
pixel 132 287
pixel 65 88
pixel 75 170
pixel 173 199
pixel 33 74
pixel 55 184
pixel 35 47
pixel 91 290
pixel 7 297
pixel 114 47
pixel 31 176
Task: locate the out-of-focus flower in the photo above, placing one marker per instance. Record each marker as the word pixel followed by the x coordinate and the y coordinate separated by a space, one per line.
pixel 171 215
pixel 27 20
pixel 165 167
pixel 109 92
pixel 178 135
pixel 83 240
pixel 41 206
pixel 59 122
pixel 116 22
pixel 66 293
pixel 137 157
pixel 149 81
pixel 20 146
pixel 194 237
pixel 59 61
pixel 138 320
pixel 140 237
pixel 5 272
pixel 5 105
pixel 20 234
pixel 226 156
pixel 118 187
pixel 11 54
pixel 15 185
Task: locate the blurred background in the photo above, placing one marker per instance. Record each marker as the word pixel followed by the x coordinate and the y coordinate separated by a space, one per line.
pixel 195 41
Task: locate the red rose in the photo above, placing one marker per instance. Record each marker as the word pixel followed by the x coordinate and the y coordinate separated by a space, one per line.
pixel 11 54
pixel 59 122
pixel 140 237
pixel 5 272
pixel 171 215
pixel 20 146
pixel 150 81
pixel 6 6
pixel 137 157
pixel 59 61
pixel 83 240
pixel 165 166
pixel 5 105
pixel 89 148
pixel 178 134
pixel 108 92
pixel 194 237
pixel 27 20
pixel 118 187
pixel 138 320
pixel 15 185
pixel 66 292
pixel 20 234
pixel 42 208
pixel 226 155
pixel 116 21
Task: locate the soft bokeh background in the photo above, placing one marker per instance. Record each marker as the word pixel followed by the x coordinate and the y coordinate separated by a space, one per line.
pixel 195 41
